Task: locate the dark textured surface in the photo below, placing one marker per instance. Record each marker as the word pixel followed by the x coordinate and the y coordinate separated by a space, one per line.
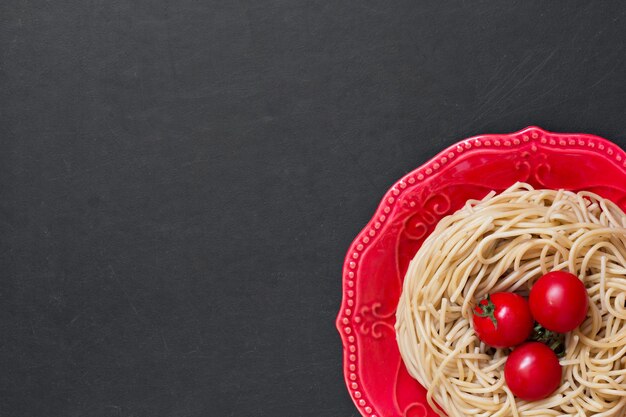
pixel 179 180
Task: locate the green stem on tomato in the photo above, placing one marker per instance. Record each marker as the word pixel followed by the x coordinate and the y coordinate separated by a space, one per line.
pixel 555 341
pixel 488 310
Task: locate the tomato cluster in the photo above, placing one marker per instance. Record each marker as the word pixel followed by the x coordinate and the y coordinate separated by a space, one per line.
pixel 558 302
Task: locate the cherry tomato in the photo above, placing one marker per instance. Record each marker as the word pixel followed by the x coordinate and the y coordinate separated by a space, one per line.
pixel 559 301
pixel 503 320
pixel 532 371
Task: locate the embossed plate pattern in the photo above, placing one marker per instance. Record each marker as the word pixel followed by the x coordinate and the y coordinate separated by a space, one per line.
pixel 378 258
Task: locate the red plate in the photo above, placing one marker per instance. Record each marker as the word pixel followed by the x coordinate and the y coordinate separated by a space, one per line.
pixel 378 258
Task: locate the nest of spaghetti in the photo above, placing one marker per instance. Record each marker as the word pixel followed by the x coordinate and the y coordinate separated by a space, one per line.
pixel 504 243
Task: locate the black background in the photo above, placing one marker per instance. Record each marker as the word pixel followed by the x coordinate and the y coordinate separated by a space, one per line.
pixel 179 180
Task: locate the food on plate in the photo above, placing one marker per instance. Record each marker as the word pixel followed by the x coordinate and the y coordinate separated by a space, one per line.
pixel 503 319
pixel 506 243
pixel 558 301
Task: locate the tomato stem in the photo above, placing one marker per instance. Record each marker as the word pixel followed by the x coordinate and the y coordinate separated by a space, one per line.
pixel 555 341
pixel 488 310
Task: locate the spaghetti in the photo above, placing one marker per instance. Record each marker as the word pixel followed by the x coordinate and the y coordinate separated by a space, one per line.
pixel 505 242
